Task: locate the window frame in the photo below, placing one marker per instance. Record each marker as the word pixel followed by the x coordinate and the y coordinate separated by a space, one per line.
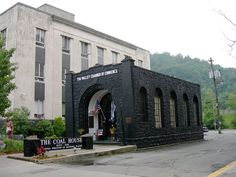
pixel 114 57
pixel 40 37
pixel 84 55
pixel 157 111
pixel 66 44
pixel 37 113
pixel 39 72
pixel 4 36
pixel 100 55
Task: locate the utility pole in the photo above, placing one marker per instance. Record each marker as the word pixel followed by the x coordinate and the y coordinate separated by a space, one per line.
pixel 216 94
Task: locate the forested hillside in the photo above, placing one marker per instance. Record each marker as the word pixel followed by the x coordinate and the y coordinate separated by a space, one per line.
pixel 193 70
pixel 197 71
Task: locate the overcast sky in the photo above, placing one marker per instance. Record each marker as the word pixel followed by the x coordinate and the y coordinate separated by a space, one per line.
pixel 189 27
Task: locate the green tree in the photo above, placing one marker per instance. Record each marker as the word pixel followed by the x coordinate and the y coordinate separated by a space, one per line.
pixel 6 76
pixel 209 109
pixel 231 101
pixel 59 127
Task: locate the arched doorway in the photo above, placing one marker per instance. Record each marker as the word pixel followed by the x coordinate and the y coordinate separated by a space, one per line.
pixel 101 115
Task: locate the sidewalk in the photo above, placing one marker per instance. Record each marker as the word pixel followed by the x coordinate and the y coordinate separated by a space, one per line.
pixel 70 155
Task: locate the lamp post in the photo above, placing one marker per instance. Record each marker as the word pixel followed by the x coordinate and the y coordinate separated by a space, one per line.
pixel 216 94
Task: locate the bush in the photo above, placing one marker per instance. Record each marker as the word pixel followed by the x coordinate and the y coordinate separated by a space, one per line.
pixel 233 122
pixel 45 127
pixel 59 127
pixel 3 131
pixel 13 146
pixel 20 118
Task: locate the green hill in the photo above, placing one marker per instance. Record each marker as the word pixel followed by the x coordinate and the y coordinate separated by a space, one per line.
pixel 197 71
pixel 193 70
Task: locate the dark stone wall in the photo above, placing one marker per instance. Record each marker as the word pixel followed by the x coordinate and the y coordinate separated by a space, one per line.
pixel 145 132
pixel 124 87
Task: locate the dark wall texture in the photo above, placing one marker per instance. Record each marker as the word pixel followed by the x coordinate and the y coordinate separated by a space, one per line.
pixel 135 125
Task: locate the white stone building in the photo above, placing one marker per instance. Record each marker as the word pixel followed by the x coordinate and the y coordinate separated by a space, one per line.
pixel 49 43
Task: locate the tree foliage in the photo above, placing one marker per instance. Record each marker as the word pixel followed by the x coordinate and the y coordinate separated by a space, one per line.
pixel 6 76
pixel 196 71
pixel 209 107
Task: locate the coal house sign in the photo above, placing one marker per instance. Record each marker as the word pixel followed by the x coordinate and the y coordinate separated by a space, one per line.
pixel 60 143
pixel 140 106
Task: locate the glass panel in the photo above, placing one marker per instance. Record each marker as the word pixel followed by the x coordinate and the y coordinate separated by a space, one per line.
pixel 100 55
pixel 114 57
pixel 36 69
pixel 41 70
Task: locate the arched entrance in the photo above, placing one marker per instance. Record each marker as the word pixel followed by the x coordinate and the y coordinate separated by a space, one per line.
pixel 101 115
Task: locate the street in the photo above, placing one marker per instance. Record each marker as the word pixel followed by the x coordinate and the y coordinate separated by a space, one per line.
pixel 195 159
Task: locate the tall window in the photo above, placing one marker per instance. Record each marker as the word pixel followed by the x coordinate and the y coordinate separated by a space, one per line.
pixel 140 63
pixel 100 55
pixel 114 57
pixel 84 55
pixel 66 44
pixel 196 120
pixel 40 37
pixel 4 36
pixel 186 111
pixel 158 109
pixel 39 109
pixel 39 72
pixel 173 110
pixel 143 105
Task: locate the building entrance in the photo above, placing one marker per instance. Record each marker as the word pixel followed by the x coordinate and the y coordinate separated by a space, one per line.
pixel 102 116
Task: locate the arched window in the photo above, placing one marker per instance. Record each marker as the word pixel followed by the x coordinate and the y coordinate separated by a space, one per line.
pixel 173 110
pixel 196 120
pixel 158 102
pixel 143 105
pixel 186 110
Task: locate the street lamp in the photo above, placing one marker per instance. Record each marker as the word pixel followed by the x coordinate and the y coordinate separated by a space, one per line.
pixel 213 75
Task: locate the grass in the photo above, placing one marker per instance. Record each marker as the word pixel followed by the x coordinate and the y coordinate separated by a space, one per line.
pixel 12 146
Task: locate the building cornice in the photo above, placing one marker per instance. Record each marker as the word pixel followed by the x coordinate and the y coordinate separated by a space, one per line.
pixel 94 32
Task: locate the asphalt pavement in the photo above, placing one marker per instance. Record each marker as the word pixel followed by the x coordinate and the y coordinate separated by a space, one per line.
pixel 211 157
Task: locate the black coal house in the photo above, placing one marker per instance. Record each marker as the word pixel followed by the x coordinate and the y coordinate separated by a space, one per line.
pixel 141 106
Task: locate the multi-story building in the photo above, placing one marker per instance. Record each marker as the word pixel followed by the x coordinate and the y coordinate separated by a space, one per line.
pixel 48 44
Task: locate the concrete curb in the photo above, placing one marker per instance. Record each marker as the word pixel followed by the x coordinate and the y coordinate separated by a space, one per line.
pixel 75 157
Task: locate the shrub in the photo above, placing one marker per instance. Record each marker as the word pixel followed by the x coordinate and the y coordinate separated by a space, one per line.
pixel 20 118
pixel 59 127
pixel 233 122
pixel 45 127
pixel 12 146
pixel 3 130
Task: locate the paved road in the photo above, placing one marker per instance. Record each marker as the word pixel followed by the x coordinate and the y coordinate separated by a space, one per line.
pixel 195 159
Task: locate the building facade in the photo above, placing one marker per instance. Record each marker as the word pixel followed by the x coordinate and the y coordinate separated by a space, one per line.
pixel 145 107
pixel 48 44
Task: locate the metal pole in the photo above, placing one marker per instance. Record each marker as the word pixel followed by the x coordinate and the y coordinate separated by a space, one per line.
pixel 216 94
